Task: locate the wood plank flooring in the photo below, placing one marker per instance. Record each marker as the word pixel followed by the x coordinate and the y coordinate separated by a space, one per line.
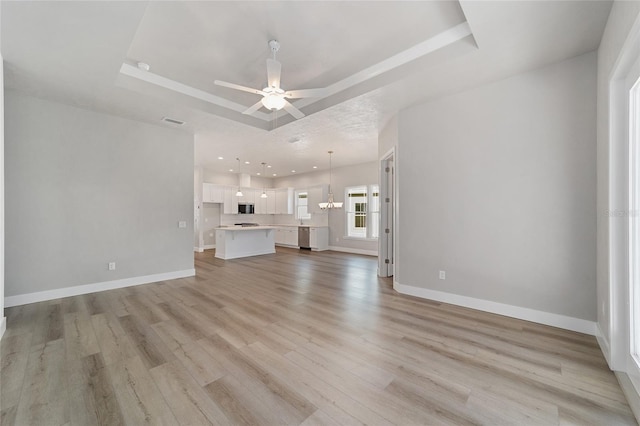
pixel 293 338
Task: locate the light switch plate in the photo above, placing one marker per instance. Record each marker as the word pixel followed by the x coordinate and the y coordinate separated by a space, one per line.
pixel 182 224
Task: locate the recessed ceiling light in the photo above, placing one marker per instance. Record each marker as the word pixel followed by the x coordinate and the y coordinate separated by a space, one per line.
pixel 275 174
pixel 220 158
pixel 315 167
pixel 268 167
pixel 258 173
pixel 230 170
pixel 246 162
pixel 143 66
pixel 293 171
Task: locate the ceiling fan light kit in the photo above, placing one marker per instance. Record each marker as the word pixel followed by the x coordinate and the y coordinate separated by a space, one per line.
pixel 273 101
pixel 274 98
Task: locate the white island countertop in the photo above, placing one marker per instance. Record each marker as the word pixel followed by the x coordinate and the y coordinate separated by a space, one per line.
pixel 233 242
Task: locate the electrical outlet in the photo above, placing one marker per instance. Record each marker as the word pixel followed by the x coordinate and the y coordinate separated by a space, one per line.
pixel 182 224
pixel 112 266
pixel 442 275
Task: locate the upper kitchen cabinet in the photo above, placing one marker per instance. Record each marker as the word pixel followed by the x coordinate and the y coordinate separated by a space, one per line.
pixel 271 201
pixel 266 205
pixel 212 193
pixel 284 201
pixel 230 200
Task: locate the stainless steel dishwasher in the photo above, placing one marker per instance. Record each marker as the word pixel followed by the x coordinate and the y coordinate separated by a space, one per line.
pixel 303 237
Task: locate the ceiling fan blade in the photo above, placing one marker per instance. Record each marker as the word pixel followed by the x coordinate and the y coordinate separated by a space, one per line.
pixel 293 110
pixel 306 93
pixel 238 87
pixel 253 108
pixel 273 72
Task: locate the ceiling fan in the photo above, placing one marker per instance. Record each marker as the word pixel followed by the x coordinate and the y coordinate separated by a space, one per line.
pixel 274 98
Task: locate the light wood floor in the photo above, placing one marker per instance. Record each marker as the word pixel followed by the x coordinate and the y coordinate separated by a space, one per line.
pixel 293 338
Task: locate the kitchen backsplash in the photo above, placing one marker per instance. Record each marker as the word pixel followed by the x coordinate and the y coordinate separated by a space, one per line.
pixel 321 219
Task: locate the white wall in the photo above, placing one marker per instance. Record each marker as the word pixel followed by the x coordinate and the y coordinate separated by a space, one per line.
pixel 3 321
pixel 342 177
pixel 84 189
pixel 388 137
pixel 497 188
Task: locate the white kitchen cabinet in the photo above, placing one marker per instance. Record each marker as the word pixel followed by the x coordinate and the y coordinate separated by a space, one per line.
pixel 261 204
pixel 319 238
pixel 271 201
pixel 284 201
pixel 206 192
pixel 230 200
pixel 287 236
pixel 217 193
pixel 280 236
pixel 212 193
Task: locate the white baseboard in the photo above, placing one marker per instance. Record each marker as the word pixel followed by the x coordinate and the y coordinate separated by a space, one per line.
pixel 541 317
pixel 604 345
pixel 198 249
pixel 3 325
pixel 243 254
pixel 354 250
pixel 41 296
pixel 209 247
pixel 630 393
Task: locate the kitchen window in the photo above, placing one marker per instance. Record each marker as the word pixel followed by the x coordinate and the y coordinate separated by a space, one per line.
pixel 302 205
pixel 362 211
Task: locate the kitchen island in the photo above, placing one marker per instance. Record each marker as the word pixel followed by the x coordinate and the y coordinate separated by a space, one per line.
pixel 233 242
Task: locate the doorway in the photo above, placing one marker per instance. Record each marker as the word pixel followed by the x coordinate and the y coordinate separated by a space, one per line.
pixel 387 214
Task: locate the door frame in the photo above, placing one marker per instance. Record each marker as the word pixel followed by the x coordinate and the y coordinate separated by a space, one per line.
pixel 387 241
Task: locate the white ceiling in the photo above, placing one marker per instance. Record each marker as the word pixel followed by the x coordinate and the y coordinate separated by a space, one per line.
pixel 378 57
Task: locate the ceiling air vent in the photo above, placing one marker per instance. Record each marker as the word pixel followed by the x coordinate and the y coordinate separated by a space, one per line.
pixel 173 121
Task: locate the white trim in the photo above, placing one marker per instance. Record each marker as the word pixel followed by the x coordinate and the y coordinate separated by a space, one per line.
pixel 3 326
pixel 209 246
pixel 178 87
pixel 424 48
pixel 541 317
pixel 354 250
pixel 629 392
pixel 41 296
pixel 605 347
pixel 386 192
pixel 348 237
pixel 198 249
